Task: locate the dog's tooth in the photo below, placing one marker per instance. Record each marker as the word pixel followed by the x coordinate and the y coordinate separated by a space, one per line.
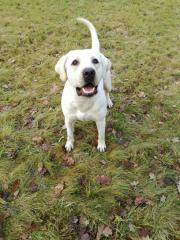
pixel 86 92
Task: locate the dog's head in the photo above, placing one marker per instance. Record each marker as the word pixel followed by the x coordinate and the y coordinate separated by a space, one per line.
pixel 84 69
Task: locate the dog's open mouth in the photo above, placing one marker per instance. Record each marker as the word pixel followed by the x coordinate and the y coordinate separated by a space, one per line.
pixel 88 90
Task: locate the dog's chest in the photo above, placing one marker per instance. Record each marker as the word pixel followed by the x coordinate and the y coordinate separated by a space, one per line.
pixel 84 116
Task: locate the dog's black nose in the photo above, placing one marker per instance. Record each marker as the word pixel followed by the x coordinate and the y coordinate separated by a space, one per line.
pixel 89 74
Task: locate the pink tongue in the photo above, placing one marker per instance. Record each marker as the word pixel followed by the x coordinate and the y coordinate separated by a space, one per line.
pixel 88 89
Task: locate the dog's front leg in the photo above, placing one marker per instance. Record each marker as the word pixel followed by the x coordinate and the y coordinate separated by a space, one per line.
pixel 70 134
pixel 101 135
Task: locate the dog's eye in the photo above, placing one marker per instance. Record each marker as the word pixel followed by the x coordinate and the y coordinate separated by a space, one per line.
pixel 75 62
pixel 95 61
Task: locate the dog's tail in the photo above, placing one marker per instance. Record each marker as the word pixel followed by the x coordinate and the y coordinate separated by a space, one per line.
pixel 94 37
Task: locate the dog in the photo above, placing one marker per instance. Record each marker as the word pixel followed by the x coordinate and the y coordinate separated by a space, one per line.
pixel 87 77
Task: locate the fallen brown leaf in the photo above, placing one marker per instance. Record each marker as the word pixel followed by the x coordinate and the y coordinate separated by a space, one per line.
pixel 42 170
pixel 139 201
pixel 119 134
pixel 45 146
pixel 58 188
pixel 152 176
pixel 123 142
pixel 107 231
pixel 162 199
pixel 103 162
pixel 103 180
pixel 177 166
pixel 82 181
pixel 33 227
pixel 4 194
pixel 85 236
pixel 74 220
pixel 131 227
pixel 141 95
pixel 38 140
pixel 178 186
pixel 84 222
pixel 7 86
pixel 33 186
pixel 44 101
pixel 54 88
pixel 143 232
pixel 168 181
pixel 68 160
pixel 99 232
pixel 119 211
pixel 134 183
pixel 32 110
pixel 128 164
pixel 15 185
pixel 103 230
pixel 28 122
pixel 12 153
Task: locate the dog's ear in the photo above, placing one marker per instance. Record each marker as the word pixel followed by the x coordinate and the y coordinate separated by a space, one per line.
pixel 61 69
pixel 106 63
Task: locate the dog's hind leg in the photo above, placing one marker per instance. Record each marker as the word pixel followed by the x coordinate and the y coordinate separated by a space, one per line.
pixel 109 102
pixel 101 135
pixel 107 80
pixel 70 134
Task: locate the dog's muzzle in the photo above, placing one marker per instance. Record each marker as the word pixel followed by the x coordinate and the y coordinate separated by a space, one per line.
pixel 89 89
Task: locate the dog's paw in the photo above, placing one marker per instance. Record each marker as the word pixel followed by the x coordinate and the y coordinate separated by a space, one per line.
pixel 69 146
pixel 101 147
pixel 109 103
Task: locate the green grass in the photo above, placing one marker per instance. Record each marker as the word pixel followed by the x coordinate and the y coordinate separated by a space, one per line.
pixel 141 39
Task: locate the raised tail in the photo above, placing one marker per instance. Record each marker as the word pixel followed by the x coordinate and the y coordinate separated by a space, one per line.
pixel 94 37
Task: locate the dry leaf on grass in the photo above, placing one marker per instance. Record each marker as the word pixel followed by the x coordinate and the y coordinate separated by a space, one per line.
pixel 42 170
pixel 7 86
pixel 15 187
pixel 128 164
pixel 123 142
pixel 45 146
pixel 12 153
pixel 119 211
pixel 168 181
pixel 38 140
pixel 54 88
pixel 103 180
pixel 32 110
pixel 152 176
pixel 83 221
pixel 85 236
pixel 143 232
pixel 162 199
pixel 141 95
pixel 68 160
pixel 134 183
pixel 103 162
pixel 33 186
pixel 28 122
pixel 131 227
pixel 178 186
pixel 139 201
pixel 58 188
pixel 44 101
pixel 103 231
pixel 177 166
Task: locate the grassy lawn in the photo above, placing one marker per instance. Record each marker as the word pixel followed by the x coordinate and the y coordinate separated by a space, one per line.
pixel 131 190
